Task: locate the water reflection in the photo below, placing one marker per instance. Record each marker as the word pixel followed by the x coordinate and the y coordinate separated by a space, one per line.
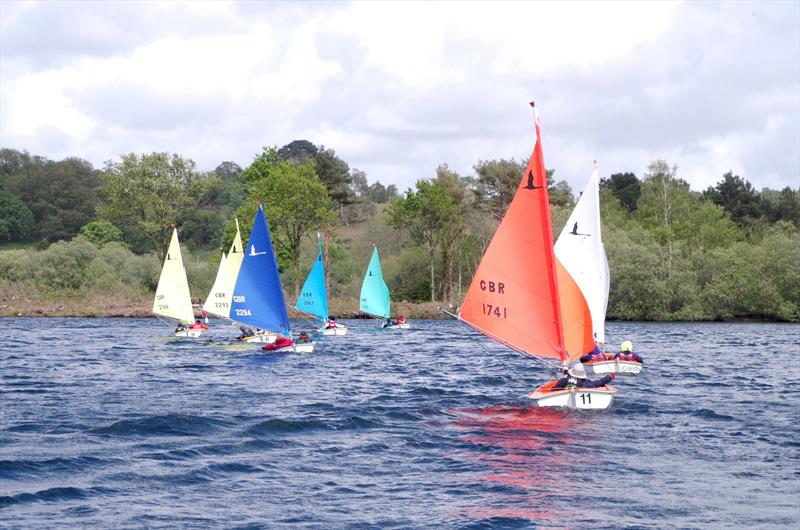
pixel 528 455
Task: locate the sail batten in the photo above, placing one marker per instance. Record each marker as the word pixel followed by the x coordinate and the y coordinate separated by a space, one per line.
pixel 173 299
pixel 258 295
pixel 513 297
pixel 375 297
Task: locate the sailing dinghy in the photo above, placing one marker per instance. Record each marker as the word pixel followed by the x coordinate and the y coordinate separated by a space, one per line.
pixel 514 295
pixel 219 299
pixel 579 249
pixel 313 299
pixel 258 295
pixel 172 294
pixel 375 298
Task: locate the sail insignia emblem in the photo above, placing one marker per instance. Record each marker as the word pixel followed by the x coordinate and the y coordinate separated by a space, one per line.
pixel 530 185
pixel 253 251
pixel 575 231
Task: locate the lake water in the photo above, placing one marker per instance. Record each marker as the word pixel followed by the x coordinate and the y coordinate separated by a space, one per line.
pixel 108 423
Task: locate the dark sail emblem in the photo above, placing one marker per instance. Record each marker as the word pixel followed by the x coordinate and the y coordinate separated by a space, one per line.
pixel 575 231
pixel 530 185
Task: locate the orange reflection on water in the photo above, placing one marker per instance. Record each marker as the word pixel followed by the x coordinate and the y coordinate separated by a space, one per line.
pixel 527 449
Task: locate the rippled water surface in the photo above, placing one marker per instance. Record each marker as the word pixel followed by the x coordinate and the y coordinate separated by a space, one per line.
pixel 108 423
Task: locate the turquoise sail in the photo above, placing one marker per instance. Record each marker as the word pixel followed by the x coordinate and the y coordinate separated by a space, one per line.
pixel 374 292
pixel 258 295
pixel 313 298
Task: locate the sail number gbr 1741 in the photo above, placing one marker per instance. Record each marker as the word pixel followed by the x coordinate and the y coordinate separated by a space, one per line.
pixel 495 288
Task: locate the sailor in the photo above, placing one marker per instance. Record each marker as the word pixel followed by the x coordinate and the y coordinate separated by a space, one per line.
pixel 197 325
pixel 596 355
pixel 331 323
pixel 401 319
pixel 576 378
pixel 389 323
pixel 246 332
pixel 626 353
pixel 180 327
pixel 303 338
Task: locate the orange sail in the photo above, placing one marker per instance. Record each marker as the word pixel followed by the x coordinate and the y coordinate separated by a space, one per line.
pixel 575 315
pixel 513 297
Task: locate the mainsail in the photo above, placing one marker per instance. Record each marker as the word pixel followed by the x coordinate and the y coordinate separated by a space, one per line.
pixel 580 250
pixel 375 298
pixel 313 298
pixel 258 295
pixel 172 294
pixel 513 297
pixel 219 299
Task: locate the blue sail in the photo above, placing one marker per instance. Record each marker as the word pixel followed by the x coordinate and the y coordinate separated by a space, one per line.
pixel 374 292
pixel 313 298
pixel 258 295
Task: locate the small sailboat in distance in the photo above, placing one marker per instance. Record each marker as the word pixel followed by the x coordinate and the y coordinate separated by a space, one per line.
pixel 218 302
pixel 375 298
pixel 514 295
pixel 580 250
pixel 258 295
pixel 173 299
pixel 313 299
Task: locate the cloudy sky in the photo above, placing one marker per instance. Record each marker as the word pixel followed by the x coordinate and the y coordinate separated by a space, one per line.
pixel 399 88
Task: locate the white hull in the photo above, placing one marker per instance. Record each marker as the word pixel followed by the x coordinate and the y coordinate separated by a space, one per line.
pixel 189 333
pixel 260 338
pixel 398 326
pixel 574 398
pixel 615 366
pixel 337 331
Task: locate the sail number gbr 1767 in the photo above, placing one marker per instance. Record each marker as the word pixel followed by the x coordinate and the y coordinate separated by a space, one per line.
pixel 494 288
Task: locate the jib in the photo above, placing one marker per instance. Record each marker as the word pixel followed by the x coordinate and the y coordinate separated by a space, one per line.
pixel 493 287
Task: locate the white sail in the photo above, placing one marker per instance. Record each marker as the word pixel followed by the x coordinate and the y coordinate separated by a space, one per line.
pixel 172 295
pixel 219 300
pixel 580 250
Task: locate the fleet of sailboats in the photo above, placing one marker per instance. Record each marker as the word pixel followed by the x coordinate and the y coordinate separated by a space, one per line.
pixel 546 300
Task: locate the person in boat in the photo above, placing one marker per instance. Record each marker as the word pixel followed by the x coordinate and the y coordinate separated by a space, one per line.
pixel 180 328
pixel 331 323
pixel 280 343
pixel 389 323
pixel 246 333
pixel 401 319
pixel 626 353
pixel 576 378
pixel 198 325
pixel 596 355
pixel 303 338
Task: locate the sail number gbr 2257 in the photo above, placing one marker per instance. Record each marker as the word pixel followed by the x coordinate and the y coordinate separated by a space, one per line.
pixel 489 286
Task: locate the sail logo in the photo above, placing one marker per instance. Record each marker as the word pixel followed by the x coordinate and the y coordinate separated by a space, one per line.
pixel 530 185
pixel 575 231
pixel 253 251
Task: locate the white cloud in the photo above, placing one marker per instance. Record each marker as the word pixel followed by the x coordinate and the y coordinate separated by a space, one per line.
pixel 399 88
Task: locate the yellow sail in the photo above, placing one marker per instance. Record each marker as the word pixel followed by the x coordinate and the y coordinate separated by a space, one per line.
pixel 219 300
pixel 172 295
pixel 214 303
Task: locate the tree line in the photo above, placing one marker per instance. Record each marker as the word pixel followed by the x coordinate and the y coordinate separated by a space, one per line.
pixel 729 251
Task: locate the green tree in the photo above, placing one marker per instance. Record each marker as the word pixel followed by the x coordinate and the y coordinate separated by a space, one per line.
pixel 497 183
pixel 626 188
pixel 61 195
pixel 200 228
pixel 144 195
pixel 295 203
pixel 738 197
pixel 101 232
pixel 424 213
pixel 16 219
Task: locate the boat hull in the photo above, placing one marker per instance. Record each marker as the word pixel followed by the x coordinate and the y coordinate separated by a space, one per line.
pixel 307 347
pixel 615 366
pixel 337 331
pixel 189 333
pixel 573 398
pixel 260 338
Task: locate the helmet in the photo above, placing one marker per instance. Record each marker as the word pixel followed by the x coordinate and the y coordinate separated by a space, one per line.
pixel 577 371
pixel 626 347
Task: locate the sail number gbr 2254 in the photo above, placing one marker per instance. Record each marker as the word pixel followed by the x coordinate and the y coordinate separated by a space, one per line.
pixel 489 286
